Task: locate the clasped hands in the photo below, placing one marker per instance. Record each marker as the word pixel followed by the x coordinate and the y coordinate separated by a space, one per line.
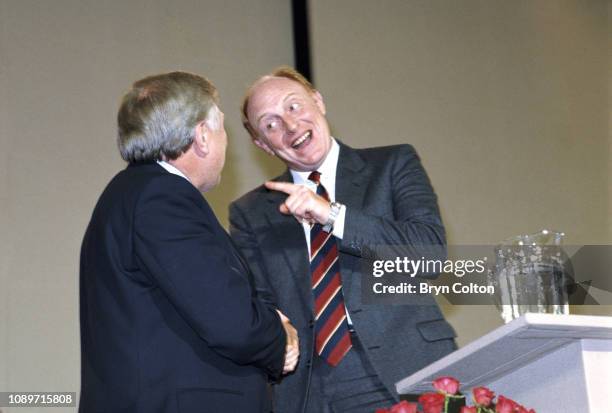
pixel 302 203
pixel 292 350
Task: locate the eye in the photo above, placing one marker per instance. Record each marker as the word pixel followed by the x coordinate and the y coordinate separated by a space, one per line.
pixel 271 125
pixel 294 106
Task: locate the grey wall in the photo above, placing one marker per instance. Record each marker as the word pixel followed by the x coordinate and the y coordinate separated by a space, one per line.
pixel 610 114
pixel 507 103
pixel 63 66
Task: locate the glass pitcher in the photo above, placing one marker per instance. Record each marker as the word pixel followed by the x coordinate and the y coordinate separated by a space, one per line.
pixel 529 275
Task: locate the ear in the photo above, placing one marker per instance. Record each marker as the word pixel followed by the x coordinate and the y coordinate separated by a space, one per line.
pixel 200 140
pixel 263 146
pixel 316 95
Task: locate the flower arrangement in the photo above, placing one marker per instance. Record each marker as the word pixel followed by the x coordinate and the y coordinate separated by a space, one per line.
pixel 447 391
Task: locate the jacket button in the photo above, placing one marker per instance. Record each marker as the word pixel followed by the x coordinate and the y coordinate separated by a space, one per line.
pixel 311 323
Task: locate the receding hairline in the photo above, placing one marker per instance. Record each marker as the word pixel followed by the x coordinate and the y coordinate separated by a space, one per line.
pixel 280 72
pixel 270 78
pixel 257 84
pixel 267 79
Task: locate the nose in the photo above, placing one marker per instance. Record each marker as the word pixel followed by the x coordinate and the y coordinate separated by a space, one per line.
pixel 290 123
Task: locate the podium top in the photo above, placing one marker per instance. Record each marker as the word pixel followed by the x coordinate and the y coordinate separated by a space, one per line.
pixel 508 348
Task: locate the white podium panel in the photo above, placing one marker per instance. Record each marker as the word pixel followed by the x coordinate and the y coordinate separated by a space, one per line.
pixel 548 362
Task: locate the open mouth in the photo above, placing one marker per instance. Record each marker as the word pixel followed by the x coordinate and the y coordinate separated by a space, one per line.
pixel 301 140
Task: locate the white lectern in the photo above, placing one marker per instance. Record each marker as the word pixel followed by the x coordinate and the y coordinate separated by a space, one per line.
pixel 551 363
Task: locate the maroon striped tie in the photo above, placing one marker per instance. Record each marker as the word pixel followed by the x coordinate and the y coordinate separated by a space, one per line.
pixel 332 339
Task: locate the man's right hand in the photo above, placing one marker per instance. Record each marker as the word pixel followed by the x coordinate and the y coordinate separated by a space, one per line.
pixel 302 203
pixel 292 351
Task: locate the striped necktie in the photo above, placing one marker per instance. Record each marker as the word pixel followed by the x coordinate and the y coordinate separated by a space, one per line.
pixel 332 339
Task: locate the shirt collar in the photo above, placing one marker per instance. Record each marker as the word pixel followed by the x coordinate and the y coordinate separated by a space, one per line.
pixel 172 169
pixel 327 168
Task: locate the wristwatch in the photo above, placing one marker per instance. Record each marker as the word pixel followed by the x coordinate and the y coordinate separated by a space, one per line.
pixel 334 211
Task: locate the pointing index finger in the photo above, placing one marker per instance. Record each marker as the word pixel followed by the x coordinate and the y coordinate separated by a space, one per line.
pixel 285 187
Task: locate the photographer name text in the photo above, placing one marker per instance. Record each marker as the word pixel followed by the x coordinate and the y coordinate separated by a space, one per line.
pixel 426 288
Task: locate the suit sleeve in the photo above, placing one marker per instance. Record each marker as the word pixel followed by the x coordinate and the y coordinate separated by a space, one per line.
pixel 180 244
pixel 244 237
pixel 414 229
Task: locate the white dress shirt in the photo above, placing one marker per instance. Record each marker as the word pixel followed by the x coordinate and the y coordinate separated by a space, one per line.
pixel 328 180
pixel 172 169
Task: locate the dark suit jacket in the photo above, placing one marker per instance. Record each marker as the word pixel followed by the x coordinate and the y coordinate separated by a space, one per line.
pixel 389 200
pixel 169 322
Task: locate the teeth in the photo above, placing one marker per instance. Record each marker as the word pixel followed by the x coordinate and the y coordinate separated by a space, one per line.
pixel 301 140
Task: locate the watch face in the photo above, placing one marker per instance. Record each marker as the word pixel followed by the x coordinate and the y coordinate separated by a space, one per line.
pixel 333 214
pixel 335 209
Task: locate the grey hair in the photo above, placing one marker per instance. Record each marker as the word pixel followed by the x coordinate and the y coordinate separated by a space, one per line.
pixel 213 119
pixel 158 115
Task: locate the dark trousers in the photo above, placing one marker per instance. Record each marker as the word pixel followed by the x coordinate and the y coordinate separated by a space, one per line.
pixel 352 386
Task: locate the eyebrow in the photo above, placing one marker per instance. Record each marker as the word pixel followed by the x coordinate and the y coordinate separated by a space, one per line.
pixel 263 115
pixel 290 95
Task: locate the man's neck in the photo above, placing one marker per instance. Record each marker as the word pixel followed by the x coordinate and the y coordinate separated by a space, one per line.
pixel 175 168
pixel 327 167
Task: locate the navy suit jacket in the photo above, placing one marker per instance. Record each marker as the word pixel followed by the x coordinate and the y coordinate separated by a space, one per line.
pixel 169 320
pixel 389 201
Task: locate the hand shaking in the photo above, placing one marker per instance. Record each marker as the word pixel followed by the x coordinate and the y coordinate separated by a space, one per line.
pixel 292 351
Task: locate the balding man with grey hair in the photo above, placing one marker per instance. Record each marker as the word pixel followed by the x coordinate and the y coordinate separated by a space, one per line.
pixel 169 319
pixel 310 235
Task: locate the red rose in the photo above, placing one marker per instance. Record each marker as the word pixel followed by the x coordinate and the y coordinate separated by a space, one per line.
pixel 448 385
pixel 404 407
pixel 382 411
pixel 505 405
pixel 432 402
pixel 482 396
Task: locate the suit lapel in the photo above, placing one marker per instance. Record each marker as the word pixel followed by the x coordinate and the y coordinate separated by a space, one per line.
pixel 289 240
pixel 351 184
pixel 352 178
pixel 351 181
